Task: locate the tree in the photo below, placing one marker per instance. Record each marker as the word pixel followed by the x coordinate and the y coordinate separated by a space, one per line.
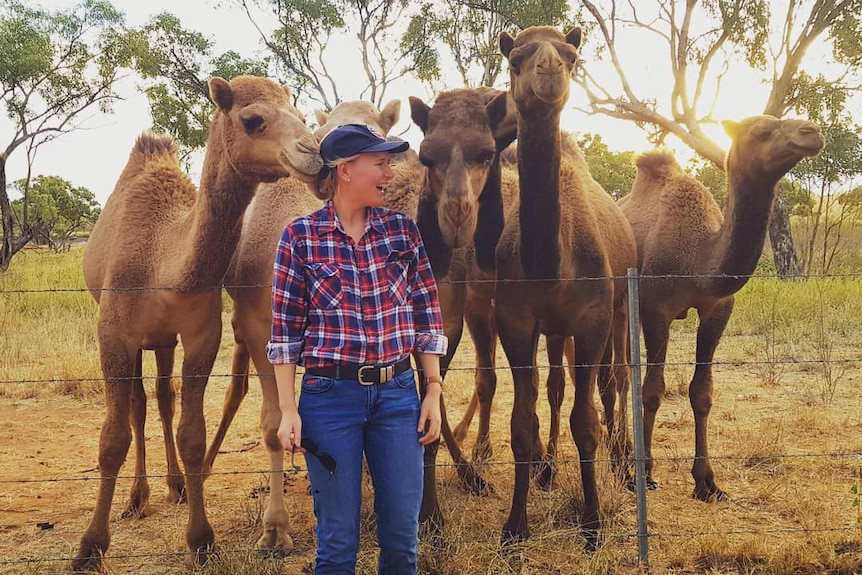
pixel 301 45
pixel 469 31
pixel 179 62
pixel 615 171
pixel 703 38
pixel 56 68
pixel 57 210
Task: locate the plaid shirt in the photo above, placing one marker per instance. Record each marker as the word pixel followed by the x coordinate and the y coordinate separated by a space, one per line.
pixel 336 301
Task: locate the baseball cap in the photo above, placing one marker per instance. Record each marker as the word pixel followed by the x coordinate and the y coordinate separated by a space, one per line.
pixel 351 139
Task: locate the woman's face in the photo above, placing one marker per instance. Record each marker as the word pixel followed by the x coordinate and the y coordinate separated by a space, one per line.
pixel 365 177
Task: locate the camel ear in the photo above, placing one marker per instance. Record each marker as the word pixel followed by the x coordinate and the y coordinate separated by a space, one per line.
pixel 503 120
pixel 731 127
pixel 220 93
pixel 506 43
pixel 574 36
pixel 321 117
pixel 390 115
pixel 419 113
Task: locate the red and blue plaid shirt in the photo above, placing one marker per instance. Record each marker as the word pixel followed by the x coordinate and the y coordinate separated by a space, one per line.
pixel 337 301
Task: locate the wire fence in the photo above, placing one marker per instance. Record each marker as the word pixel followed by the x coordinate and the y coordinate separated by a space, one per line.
pixel 643 535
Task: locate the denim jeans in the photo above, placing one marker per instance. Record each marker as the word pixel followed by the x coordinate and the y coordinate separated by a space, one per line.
pixel 346 420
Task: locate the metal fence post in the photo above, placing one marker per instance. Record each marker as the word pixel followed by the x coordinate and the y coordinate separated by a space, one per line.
pixel 638 416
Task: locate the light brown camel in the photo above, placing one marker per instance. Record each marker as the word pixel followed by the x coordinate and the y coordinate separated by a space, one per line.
pixel 681 232
pixel 561 245
pixel 248 281
pixel 155 262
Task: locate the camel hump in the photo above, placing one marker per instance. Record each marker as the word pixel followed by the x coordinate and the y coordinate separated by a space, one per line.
pixel 150 144
pixel 658 164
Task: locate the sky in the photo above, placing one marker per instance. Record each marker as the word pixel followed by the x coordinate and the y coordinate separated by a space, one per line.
pixel 94 156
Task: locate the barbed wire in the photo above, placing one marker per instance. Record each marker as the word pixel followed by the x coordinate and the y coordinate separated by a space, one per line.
pixel 181 289
pixel 643 364
pixel 289 469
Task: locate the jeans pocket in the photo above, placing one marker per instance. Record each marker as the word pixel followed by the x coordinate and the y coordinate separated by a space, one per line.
pixel 315 384
pixel 406 380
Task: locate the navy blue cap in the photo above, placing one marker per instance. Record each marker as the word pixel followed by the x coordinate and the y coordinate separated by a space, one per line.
pixel 351 139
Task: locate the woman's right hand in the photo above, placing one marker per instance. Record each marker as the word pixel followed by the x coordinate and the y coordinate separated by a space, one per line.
pixel 290 431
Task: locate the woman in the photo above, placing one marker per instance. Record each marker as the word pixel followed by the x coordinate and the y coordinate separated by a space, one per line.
pixel 353 298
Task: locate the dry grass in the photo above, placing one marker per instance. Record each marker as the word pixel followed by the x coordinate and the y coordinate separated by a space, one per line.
pixel 787 456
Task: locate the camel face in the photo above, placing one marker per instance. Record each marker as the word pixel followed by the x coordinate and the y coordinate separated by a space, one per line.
pixel 772 145
pixel 358 112
pixel 271 140
pixel 541 60
pixel 458 149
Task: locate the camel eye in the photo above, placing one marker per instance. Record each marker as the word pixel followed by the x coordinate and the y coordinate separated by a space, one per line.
pixel 253 124
pixel 484 158
pixel 515 65
pixel 426 161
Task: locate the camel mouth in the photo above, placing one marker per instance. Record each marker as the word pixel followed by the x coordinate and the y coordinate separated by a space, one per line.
pixel 809 148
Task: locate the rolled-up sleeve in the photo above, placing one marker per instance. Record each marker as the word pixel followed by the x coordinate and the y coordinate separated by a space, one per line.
pixel 289 305
pixel 427 319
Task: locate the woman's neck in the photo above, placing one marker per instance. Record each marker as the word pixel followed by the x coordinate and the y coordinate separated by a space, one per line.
pixel 353 217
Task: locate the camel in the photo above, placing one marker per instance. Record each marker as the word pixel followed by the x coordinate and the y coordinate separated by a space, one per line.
pixel 613 375
pixel 681 232
pixel 154 263
pixel 248 282
pixel 563 227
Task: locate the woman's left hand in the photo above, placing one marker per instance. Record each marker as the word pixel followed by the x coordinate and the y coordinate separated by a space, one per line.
pixel 430 420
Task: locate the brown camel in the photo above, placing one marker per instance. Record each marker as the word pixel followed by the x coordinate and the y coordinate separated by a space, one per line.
pixel 563 228
pixel 614 377
pixel 155 261
pixel 247 282
pixel 681 232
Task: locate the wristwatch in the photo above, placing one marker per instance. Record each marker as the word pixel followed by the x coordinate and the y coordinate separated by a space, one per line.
pixel 434 379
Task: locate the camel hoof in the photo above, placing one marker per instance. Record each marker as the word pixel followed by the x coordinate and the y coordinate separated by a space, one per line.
pixel 709 494
pixel 593 540
pixel 651 484
pixel 432 523
pixel 136 511
pixel 545 474
pixel 482 452
pixel 275 541
pixel 512 537
pixel 202 556
pixel 473 482
pixel 89 559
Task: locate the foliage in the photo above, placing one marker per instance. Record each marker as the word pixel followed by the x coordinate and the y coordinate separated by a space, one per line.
pixel 702 37
pixel 469 31
pixel 615 171
pixel 311 33
pixel 180 61
pixel 56 67
pixel 57 210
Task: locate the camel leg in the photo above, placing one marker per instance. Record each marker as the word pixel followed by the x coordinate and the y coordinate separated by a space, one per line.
pixel 139 495
pixel 519 336
pixel 712 324
pixel 614 384
pixel 118 363
pixel 235 393
pixel 166 396
pixel 480 322
pixel 556 385
pixel 200 345
pixel 276 520
pixel 656 330
pixel 584 422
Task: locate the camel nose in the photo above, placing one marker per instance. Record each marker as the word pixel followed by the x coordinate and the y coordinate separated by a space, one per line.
pixel 809 128
pixel 549 62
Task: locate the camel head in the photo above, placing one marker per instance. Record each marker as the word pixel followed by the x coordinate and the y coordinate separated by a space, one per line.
pixel 458 150
pixel 541 60
pixel 264 136
pixel 354 112
pixel 769 146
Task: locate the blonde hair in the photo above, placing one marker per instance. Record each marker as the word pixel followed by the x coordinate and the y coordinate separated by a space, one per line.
pixel 327 178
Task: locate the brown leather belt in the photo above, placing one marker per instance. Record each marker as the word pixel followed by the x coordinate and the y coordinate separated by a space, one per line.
pixel 364 374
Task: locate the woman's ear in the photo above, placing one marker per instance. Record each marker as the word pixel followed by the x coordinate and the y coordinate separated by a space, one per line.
pixel 343 171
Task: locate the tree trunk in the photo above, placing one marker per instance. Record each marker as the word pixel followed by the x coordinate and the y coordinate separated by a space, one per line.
pixel 781 239
pixel 9 246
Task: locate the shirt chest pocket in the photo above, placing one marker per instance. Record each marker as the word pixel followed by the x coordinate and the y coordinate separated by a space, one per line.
pixel 397 270
pixel 324 285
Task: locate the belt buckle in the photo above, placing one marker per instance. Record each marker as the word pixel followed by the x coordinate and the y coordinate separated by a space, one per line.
pixel 361 373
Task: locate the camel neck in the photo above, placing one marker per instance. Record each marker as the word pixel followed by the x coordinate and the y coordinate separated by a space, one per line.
pixel 539 185
pixel 216 220
pixel 740 241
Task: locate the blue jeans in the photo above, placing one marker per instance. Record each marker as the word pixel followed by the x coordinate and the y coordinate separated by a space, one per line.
pixel 347 419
